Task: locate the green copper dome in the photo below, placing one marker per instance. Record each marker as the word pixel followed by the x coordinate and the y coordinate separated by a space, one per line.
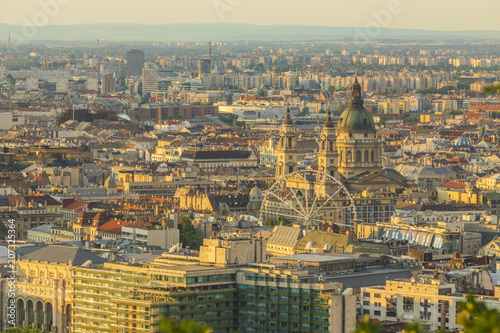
pixel 356 118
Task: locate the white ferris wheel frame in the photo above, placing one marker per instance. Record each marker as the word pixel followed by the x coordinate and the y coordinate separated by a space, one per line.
pixel 306 212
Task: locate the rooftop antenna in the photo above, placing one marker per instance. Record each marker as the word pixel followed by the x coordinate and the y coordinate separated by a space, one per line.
pixel 210 54
pixel 9 45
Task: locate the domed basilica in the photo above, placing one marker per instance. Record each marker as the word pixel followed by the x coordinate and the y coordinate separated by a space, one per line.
pixel 350 152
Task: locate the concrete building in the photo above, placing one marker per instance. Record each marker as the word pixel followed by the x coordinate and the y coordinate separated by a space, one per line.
pixel 62 85
pixel 135 62
pixel 163 238
pixel 274 298
pixel 431 301
pixel 107 84
pixel 149 79
pixel 92 83
pixel 204 67
pixel 31 83
pixel 8 119
pixel 223 252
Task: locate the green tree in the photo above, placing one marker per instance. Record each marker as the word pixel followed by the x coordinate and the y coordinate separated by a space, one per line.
pixel 25 329
pixel 492 89
pixel 475 317
pixel 188 235
pixel 366 326
pixel 229 99
pixel 183 326
pixel 305 112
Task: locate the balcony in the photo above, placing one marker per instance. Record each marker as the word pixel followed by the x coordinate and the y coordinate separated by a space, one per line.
pixel 391 300
pixel 408 308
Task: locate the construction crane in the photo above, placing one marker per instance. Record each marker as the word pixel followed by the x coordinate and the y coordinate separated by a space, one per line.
pixel 40 151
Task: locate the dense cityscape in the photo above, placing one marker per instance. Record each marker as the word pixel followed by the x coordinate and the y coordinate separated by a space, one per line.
pixel 250 185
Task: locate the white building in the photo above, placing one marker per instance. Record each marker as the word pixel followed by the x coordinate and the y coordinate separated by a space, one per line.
pixel 8 119
pixel 31 83
pixel 92 83
pixel 62 85
pixel 164 238
pixel 149 80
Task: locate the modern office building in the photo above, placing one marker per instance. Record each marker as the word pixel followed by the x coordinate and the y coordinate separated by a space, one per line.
pixel 107 84
pixel 135 62
pixel 282 299
pixel 149 79
pixel 204 67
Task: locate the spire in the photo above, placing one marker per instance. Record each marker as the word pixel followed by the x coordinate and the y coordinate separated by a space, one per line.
pixel 328 123
pixel 356 97
pixel 288 119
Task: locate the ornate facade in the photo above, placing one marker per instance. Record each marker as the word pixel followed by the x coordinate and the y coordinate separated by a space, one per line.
pixel 287 148
pixel 358 146
pixel 351 152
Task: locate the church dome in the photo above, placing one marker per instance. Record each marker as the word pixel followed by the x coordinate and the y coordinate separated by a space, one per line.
pixel 462 142
pixel 256 191
pixel 356 118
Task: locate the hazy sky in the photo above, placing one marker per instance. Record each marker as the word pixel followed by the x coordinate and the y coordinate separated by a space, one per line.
pixel 411 14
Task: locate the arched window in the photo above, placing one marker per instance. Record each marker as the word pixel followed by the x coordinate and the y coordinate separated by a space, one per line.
pixel 39 314
pixel 358 156
pixel 330 148
pixel 290 169
pixel 68 315
pixel 349 156
pixel 341 156
pixel 366 156
pixel 20 313
pixel 49 314
pixel 373 155
pixel 290 142
pixel 31 312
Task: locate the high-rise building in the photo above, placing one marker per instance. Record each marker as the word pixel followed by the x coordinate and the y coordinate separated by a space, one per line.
pixel 92 83
pixel 135 62
pixel 31 83
pixel 107 84
pixel 204 67
pixel 149 79
pixel 62 85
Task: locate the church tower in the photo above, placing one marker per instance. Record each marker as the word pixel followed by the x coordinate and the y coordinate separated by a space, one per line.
pixel 328 155
pixel 358 146
pixel 287 148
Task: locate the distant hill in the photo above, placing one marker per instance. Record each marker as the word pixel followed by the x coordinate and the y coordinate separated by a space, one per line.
pixel 223 32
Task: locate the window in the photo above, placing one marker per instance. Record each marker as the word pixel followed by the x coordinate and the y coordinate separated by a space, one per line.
pixel 358 156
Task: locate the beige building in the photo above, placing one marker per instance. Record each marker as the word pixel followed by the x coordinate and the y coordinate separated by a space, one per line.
pixel 431 301
pixel 44 287
pixel 222 252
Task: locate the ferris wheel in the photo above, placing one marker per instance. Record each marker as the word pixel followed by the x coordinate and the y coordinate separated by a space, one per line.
pixel 308 197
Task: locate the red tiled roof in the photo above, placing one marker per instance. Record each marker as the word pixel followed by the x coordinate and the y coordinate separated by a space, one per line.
pixel 114 226
pixel 451 184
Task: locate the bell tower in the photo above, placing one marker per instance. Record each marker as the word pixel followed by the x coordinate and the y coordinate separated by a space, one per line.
pixel 328 155
pixel 358 146
pixel 287 148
